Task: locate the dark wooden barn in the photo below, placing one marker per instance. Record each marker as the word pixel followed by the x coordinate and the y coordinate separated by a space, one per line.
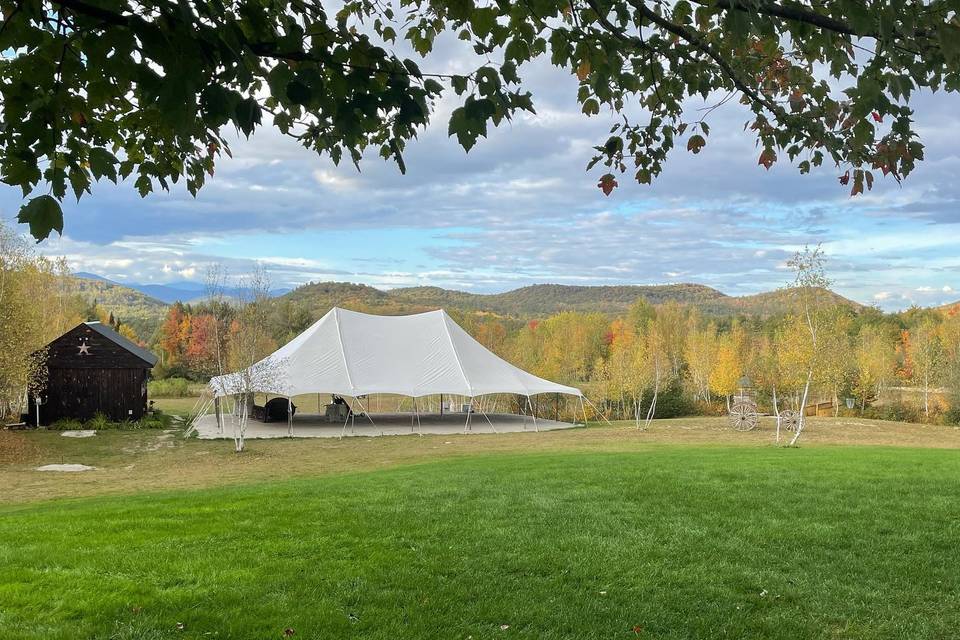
pixel 93 369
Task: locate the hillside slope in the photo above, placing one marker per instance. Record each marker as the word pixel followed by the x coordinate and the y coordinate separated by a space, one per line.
pixel 142 312
pixel 540 300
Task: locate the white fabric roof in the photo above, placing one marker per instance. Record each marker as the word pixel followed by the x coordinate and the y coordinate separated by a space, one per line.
pixel 355 354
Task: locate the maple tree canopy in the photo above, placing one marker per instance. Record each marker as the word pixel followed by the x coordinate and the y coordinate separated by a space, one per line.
pixel 113 89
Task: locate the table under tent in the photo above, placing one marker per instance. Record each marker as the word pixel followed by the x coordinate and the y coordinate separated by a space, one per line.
pixel 373 367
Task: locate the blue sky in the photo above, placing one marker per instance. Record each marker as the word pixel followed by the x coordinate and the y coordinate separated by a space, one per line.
pixel 520 209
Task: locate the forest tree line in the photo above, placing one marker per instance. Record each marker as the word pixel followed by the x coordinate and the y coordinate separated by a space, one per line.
pixel 904 365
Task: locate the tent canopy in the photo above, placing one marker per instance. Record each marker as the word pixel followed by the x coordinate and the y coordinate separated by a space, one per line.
pixel 356 354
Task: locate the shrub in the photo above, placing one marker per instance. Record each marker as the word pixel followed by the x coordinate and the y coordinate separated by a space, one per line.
pixel 712 408
pixel 897 412
pixel 66 424
pixel 99 422
pixel 671 403
pixel 952 416
pixel 157 420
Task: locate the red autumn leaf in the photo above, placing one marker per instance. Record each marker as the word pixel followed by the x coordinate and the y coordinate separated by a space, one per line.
pixel 607 184
pixel 857 184
pixel 877 117
pixel 767 158
pixel 845 178
pixel 637 629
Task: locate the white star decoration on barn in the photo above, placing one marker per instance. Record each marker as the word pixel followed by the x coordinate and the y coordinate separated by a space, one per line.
pixel 84 348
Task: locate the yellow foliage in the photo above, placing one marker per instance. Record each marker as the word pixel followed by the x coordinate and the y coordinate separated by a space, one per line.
pixel 727 369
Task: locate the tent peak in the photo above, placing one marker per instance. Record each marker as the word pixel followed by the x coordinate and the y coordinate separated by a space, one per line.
pixel 339 310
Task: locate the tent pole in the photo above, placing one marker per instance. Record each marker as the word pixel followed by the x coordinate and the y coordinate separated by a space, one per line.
pixel 533 413
pixel 416 410
pixel 466 423
pixel 217 409
pixel 345 421
pixel 366 412
pixel 289 417
pixel 353 418
pixel 584 409
pixel 599 413
pixel 484 414
pixel 441 405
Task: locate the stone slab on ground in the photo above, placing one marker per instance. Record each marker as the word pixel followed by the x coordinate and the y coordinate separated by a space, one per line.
pixel 81 433
pixel 66 467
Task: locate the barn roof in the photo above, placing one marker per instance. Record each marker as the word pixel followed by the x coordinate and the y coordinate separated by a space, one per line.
pixel 130 346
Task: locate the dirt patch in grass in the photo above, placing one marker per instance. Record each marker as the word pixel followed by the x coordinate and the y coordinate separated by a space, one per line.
pixel 16 448
pixel 133 462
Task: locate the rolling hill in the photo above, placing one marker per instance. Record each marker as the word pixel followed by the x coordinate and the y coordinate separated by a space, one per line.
pixel 539 300
pixel 142 312
pixel 145 313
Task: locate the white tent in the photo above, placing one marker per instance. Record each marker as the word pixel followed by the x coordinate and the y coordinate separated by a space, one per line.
pixel 356 354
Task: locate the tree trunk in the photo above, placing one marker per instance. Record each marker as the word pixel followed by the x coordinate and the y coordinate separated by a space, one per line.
pixel 653 403
pixel 802 421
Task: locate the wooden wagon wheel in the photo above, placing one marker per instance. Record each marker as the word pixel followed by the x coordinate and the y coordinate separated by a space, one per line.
pixel 743 415
pixel 789 420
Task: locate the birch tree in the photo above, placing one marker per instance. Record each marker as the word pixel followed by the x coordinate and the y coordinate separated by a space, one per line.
pixel 874 361
pixel 727 369
pixel 215 289
pixel 926 353
pixel 834 353
pixel 654 364
pixel 250 343
pixel 700 353
pixel 808 288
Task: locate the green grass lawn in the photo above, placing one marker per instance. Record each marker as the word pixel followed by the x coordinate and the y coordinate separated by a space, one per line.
pixel 673 542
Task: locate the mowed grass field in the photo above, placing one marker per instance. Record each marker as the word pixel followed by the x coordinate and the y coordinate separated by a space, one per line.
pixel 686 531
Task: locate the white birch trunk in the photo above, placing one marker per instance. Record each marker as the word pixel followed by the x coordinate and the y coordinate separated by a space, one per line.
pixel 802 420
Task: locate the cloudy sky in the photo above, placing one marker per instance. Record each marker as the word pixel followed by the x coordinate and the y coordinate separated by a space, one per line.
pixel 520 209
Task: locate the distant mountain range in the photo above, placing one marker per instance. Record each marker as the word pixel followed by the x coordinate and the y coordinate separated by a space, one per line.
pixel 143 306
pixel 169 293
